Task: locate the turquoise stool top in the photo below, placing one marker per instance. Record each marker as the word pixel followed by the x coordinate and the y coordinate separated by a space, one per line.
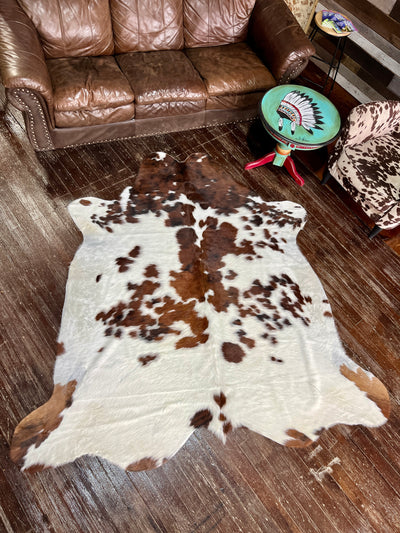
pixel 299 117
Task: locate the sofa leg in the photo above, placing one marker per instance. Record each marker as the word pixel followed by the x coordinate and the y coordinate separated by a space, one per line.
pixel 375 230
pixel 327 175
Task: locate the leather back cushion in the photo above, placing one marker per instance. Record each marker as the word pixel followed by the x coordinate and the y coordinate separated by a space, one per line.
pixel 215 22
pixel 71 28
pixel 147 26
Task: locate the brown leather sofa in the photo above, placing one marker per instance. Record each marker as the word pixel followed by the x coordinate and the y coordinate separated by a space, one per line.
pixel 97 70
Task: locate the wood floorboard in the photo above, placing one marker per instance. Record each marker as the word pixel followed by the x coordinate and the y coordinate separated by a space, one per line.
pixel 347 482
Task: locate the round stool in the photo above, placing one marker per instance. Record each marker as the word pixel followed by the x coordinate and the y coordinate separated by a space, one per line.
pixel 336 59
pixel 298 118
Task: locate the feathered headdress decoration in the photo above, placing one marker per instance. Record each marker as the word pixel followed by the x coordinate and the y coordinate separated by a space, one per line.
pixel 300 109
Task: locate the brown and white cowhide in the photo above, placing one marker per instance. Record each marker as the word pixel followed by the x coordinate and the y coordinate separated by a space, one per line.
pixel 189 304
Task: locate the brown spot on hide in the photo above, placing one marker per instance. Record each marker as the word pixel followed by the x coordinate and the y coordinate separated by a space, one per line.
pixel 180 215
pixel 123 263
pixel 147 463
pixel 256 220
pixel 60 348
pixel 98 278
pixel 146 359
pixel 294 302
pixel 190 281
pixel 172 312
pixel 374 388
pixel 201 266
pixel 151 271
pixel 297 439
pixel 327 313
pixel 233 353
pixel 37 426
pixel 135 252
pixel 85 202
pixel 227 427
pixel 250 343
pixel 267 312
pixel 113 216
pixel 201 418
pixel 220 399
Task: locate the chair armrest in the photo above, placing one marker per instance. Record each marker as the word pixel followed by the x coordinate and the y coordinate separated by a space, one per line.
pixel 22 62
pixel 390 219
pixel 370 120
pixel 278 39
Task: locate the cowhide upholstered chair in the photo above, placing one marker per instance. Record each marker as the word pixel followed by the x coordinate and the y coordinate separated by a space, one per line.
pixel 366 161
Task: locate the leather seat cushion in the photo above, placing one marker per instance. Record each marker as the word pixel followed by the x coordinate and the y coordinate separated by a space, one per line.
pixel 235 101
pixel 89 89
pixel 169 109
pixel 145 26
pixel 231 69
pixel 93 117
pixel 162 76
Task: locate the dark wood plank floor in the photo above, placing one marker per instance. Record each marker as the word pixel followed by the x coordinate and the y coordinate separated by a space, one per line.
pixel 347 482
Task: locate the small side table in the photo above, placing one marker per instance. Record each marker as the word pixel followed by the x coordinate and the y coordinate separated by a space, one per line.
pixel 298 118
pixel 336 59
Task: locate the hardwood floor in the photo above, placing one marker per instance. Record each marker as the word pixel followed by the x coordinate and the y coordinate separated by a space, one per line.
pixel 347 482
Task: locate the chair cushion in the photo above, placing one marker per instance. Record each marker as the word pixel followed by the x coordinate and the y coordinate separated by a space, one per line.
pixel 371 173
pixel 82 29
pixel 89 90
pixel 231 69
pixel 213 23
pixel 146 26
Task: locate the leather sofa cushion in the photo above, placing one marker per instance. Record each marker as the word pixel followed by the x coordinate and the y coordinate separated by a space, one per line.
pixel 93 117
pixel 212 22
pixel 87 85
pixel 169 109
pixel 163 76
pixel 231 69
pixel 146 26
pixel 82 29
pixel 235 101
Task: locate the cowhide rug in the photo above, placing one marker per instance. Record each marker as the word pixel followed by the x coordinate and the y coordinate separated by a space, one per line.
pixel 189 304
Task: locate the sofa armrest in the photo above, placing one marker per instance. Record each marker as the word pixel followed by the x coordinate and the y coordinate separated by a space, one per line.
pixel 276 36
pixel 22 62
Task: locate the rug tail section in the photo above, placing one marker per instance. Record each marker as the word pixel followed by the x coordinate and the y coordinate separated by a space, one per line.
pixel 371 385
pixel 37 426
pixel 374 390
pixel 297 439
